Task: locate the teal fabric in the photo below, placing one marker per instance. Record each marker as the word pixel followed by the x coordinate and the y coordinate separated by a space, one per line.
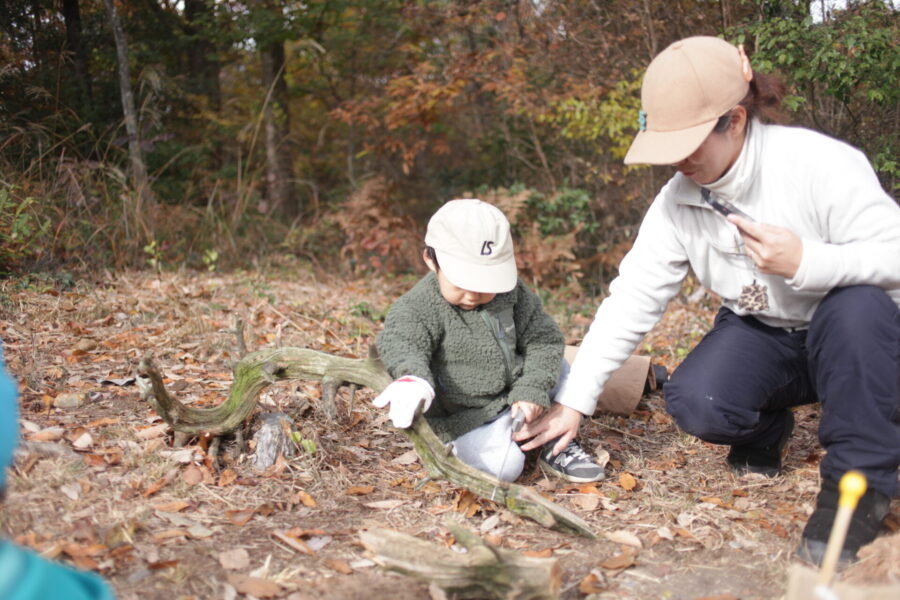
pixel 23 574
pixel 9 428
pixel 26 576
pixel 478 361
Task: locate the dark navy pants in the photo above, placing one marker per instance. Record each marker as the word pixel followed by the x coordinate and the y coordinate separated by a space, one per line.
pixel 736 385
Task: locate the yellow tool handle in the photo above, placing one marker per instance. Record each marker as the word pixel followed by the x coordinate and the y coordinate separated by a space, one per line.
pixel 852 487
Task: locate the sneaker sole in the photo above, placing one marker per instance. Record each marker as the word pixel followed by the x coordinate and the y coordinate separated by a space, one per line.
pixel 545 467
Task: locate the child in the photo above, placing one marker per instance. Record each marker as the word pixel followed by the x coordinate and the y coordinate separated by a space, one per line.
pixel 473 344
pixel 24 575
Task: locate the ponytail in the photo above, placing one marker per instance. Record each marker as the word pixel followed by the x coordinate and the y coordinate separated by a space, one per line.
pixel 764 100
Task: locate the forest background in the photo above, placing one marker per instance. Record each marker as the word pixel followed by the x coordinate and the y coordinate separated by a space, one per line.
pixel 214 134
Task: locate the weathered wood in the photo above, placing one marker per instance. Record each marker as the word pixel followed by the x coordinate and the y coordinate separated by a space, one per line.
pixel 257 370
pixel 441 464
pixel 272 438
pixel 484 571
pixel 252 374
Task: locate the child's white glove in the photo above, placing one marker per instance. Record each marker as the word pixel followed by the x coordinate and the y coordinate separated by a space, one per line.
pixel 404 396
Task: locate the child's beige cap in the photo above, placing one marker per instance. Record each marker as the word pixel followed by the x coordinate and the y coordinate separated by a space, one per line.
pixel 686 88
pixel 473 246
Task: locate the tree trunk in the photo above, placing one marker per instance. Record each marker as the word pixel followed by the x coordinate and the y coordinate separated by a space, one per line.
pixel 279 163
pixel 203 62
pixel 140 181
pixel 72 17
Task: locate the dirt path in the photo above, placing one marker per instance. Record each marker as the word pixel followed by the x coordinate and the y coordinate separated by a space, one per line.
pixel 101 486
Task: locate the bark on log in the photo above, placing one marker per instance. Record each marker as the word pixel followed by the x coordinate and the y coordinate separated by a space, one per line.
pixel 483 572
pixel 257 370
pixel 252 374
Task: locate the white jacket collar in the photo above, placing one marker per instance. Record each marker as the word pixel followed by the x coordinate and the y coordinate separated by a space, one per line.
pixel 733 185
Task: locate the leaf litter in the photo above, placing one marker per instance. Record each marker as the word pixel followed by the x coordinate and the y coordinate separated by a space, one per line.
pixel 99 481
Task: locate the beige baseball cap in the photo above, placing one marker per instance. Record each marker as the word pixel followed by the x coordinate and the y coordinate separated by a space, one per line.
pixel 473 246
pixel 686 88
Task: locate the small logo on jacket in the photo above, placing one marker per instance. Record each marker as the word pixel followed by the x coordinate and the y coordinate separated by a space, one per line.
pixel 486 249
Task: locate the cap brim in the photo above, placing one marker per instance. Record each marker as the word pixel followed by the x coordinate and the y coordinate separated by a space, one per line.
pixel 667 147
pixel 484 279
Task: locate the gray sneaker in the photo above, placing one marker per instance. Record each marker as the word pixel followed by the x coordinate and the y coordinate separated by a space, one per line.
pixel 572 464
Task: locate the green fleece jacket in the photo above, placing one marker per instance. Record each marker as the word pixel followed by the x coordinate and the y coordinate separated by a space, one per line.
pixel 478 361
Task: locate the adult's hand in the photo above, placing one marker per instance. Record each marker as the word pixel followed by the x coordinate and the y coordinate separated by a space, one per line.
pixel 558 422
pixel 774 250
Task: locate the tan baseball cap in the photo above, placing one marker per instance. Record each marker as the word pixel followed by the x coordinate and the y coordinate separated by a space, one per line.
pixel 686 88
pixel 473 246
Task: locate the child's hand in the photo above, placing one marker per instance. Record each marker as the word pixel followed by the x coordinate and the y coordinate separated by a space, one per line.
pixel 404 396
pixel 530 410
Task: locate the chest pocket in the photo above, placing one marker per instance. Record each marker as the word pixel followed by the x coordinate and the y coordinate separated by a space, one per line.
pixel 503 328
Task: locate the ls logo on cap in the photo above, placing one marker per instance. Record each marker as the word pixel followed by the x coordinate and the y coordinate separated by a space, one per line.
pixel 486 249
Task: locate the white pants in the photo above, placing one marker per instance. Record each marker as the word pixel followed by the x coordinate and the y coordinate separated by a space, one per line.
pixel 485 447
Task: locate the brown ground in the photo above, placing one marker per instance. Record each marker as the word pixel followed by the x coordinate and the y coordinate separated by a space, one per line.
pixel 158 523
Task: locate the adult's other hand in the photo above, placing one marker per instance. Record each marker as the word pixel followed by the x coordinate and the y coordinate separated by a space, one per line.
pixel 774 250
pixel 558 422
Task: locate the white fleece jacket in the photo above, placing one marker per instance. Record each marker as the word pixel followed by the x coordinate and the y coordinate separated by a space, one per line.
pixel 822 189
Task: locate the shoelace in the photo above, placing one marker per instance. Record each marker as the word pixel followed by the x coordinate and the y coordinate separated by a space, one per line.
pixel 572 452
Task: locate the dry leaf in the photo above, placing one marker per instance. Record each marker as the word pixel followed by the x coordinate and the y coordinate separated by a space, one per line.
pixel 665 533
pixel 622 560
pixel 199 532
pixel 360 490
pixel 294 542
pixel 589 488
pixel 101 422
pixel 711 500
pixel 70 400
pixel 154 431
pixel 227 477
pixel 593 583
pixel 169 534
pixel 621 536
pixel 240 517
pixel 341 566
pixel 627 481
pixel 50 434
pixel 254 586
pixel 192 475
pixel 545 553
pixel 407 458
pixel 306 499
pixel 466 503
pixel 72 490
pixel 234 560
pixel 587 503
pixel 299 532
pixel 172 507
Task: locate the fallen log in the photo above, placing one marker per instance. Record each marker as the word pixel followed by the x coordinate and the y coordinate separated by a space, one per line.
pixel 252 374
pixel 257 370
pixel 484 571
